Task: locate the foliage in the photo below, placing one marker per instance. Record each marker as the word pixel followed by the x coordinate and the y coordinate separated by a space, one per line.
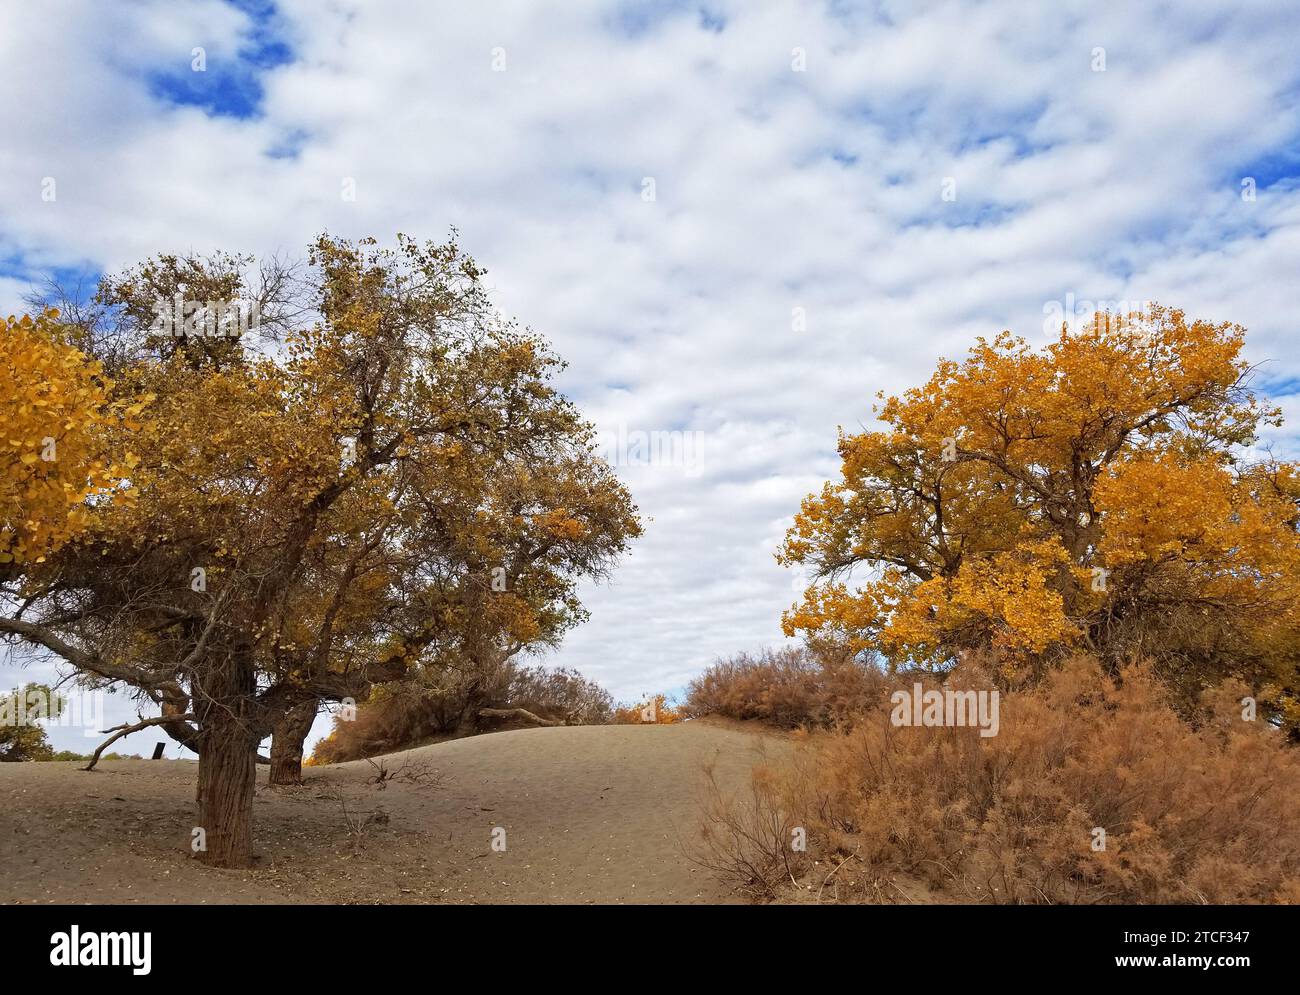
pixel 400 716
pixel 1096 494
pixel 1204 814
pixel 790 687
pixel 54 460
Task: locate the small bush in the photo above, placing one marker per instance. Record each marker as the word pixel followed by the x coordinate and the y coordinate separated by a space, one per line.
pixel 788 687
pixel 1204 814
pixel 562 695
pixel 398 714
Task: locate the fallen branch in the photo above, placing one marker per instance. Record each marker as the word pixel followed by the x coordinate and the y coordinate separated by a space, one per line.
pixel 522 714
pixel 126 730
pixel 416 773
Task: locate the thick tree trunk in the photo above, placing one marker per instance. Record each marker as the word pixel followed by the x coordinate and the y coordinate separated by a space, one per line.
pixel 227 761
pixel 287 739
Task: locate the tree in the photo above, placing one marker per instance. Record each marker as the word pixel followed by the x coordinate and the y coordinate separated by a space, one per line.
pixel 21 735
pixel 56 459
pixel 1095 493
pixel 210 309
pixel 480 547
pixel 288 741
pixel 282 549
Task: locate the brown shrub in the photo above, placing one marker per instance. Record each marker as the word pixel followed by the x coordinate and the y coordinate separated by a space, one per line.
pixel 403 714
pixel 787 687
pixel 563 695
pixel 398 714
pixel 1209 814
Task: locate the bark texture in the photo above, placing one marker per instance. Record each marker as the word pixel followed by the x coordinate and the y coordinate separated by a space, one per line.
pixel 227 761
pixel 287 738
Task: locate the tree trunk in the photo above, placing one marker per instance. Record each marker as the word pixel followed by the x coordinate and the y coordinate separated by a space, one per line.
pixel 467 725
pixel 475 699
pixel 227 761
pixel 286 743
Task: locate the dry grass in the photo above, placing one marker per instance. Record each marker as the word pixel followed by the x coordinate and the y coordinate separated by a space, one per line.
pixel 1205 814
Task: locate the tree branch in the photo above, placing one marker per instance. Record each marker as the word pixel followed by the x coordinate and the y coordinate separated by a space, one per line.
pixel 523 714
pixel 126 730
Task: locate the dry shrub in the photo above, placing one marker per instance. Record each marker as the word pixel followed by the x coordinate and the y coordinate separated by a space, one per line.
pixel 411 772
pixel 563 695
pixel 403 714
pixel 787 687
pixel 396 715
pixel 748 838
pixel 1209 814
pixel 653 710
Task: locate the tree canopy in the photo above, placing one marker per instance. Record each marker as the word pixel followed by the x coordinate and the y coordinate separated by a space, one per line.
pixel 1103 492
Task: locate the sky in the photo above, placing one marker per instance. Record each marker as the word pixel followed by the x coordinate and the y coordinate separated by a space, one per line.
pixel 737 221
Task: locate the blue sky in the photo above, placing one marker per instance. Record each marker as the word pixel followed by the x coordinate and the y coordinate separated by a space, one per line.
pixel 800 154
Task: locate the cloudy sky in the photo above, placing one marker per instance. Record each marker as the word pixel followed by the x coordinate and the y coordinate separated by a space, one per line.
pixel 737 221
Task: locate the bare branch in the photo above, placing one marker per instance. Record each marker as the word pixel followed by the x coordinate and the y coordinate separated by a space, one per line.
pixel 126 730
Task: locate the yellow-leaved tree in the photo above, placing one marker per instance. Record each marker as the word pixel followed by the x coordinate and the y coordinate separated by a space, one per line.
pixel 1101 493
pixel 323 505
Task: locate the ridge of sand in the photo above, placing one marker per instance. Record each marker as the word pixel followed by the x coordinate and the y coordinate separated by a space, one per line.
pixel 591 814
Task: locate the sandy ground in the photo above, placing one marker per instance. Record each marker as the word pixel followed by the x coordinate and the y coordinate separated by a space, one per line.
pixel 591 814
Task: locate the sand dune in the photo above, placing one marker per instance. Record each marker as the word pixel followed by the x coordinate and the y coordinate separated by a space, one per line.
pixel 600 814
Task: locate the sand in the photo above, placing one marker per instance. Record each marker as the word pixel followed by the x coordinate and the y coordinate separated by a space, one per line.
pixel 591 814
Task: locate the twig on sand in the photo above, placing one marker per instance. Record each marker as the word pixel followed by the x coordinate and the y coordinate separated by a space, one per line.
pixel 835 871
